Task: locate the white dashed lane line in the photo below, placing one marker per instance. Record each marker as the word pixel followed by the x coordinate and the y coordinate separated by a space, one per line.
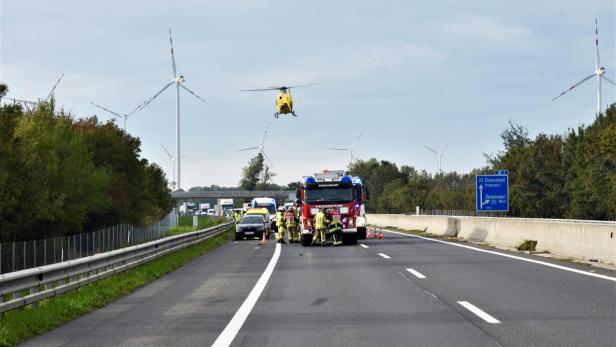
pixel 481 314
pixel 416 273
pixel 384 256
pixel 364 246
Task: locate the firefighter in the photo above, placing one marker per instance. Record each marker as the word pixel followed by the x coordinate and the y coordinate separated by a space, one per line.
pixel 280 223
pixel 291 224
pixel 320 221
pixel 335 227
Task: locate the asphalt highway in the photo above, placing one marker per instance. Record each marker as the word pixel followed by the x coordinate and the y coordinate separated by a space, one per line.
pixel 400 291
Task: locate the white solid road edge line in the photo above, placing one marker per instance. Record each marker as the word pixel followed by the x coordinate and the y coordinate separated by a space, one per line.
pixel 226 337
pixel 486 317
pixel 384 256
pixel 416 273
pixel 364 246
pixel 582 272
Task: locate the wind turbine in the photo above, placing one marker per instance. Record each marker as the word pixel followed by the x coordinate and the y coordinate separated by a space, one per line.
pixel 440 156
pixel 261 148
pixel 599 72
pixel 178 81
pixel 117 115
pixel 34 103
pixel 350 149
pixel 172 164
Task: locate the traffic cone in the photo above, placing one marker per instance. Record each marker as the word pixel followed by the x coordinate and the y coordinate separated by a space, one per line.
pixel 369 236
pixel 263 239
pixel 381 235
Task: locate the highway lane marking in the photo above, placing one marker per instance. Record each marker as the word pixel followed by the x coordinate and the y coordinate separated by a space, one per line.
pixel 416 273
pixel 582 272
pixel 228 334
pixel 364 246
pixel 476 310
pixel 384 256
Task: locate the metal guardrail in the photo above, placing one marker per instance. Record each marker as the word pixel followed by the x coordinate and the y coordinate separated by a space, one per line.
pixel 29 286
pixel 280 194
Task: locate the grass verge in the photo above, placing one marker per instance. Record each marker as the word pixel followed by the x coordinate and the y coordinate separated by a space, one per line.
pixel 185 224
pixel 26 322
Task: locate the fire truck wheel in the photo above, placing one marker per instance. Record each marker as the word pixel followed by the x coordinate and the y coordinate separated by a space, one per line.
pixel 361 233
pixel 306 240
pixel 349 239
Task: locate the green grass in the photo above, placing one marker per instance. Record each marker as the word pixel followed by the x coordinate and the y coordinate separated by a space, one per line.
pixel 186 224
pixel 26 322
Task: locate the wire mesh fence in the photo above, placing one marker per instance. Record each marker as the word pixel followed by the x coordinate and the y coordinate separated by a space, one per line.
pixel 15 256
pixel 459 213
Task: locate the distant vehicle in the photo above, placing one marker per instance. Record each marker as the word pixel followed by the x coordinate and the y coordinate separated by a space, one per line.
pixel 224 205
pixel 270 205
pixel 211 212
pixel 203 207
pixel 251 226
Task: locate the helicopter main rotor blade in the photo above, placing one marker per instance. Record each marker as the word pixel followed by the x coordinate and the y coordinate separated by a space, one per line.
pixel 106 109
pixel 302 85
pixel 259 90
pixel 191 92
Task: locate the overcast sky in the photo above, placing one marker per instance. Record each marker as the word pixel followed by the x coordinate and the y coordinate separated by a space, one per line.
pixel 407 73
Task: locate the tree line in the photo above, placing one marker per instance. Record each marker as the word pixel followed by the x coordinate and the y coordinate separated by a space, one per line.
pixel 550 176
pixel 60 175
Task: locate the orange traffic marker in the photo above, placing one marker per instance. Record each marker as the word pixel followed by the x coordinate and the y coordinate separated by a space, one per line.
pixel 263 240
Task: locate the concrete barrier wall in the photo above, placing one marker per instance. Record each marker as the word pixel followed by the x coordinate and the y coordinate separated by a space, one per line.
pixel 437 225
pixel 567 238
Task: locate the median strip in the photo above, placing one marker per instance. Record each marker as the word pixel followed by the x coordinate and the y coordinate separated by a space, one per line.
pixel 477 311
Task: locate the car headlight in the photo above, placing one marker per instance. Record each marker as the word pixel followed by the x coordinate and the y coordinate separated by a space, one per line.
pixel 344 210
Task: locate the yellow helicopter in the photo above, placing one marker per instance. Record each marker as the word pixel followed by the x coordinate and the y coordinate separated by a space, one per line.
pixel 284 102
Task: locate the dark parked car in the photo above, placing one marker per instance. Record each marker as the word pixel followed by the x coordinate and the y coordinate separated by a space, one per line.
pixel 251 226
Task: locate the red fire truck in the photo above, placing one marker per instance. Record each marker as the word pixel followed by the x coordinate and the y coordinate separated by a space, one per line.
pixel 332 189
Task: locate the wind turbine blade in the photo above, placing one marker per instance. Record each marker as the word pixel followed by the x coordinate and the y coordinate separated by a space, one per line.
pixel 25 102
pixel 166 151
pixel 54 87
pixel 184 156
pixel 430 149
pixel 338 149
pixel 447 145
pixel 598 64
pixel 108 110
pixel 267 158
pixel 573 86
pixel 172 55
pixel 265 134
pixel 246 149
pixel 191 92
pixel 607 79
pixel 147 101
pixel 356 139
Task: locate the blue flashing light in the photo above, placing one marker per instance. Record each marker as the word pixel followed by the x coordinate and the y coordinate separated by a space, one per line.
pixel 309 180
pixel 346 179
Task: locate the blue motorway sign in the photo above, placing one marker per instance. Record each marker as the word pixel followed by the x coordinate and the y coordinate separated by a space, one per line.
pixel 492 193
